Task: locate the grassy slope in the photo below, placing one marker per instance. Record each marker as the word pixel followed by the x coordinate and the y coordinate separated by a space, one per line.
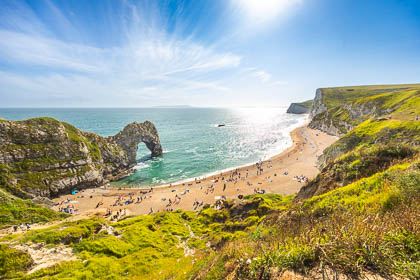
pixel 14 211
pixel 371 224
pixel 152 246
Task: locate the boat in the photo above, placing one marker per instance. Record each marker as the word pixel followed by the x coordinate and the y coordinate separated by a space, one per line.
pixel 220 125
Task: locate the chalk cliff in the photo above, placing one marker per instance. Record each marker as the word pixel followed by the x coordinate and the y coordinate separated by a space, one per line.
pixel 377 125
pixel 46 157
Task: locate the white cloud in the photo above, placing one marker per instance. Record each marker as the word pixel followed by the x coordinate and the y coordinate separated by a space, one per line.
pixel 263 76
pixel 148 65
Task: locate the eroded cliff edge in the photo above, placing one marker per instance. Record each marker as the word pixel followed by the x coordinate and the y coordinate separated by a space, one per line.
pixel 46 157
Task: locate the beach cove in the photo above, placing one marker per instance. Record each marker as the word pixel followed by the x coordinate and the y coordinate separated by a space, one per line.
pixel 284 174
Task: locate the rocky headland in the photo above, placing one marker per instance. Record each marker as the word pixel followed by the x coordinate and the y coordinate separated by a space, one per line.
pixel 46 157
pixel 377 127
pixel 300 108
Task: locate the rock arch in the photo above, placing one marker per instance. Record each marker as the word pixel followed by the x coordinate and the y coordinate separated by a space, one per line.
pixel 134 133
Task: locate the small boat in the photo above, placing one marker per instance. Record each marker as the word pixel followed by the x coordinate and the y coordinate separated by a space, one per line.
pixel 220 125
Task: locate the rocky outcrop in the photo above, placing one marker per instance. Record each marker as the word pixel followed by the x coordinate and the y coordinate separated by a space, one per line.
pixel 46 157
pixel 296 108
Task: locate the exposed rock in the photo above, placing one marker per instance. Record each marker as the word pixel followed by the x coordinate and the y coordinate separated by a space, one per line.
pixel 45 157
pixel 44 256
pixel 296 108
pixel 317 105
pixel 133 134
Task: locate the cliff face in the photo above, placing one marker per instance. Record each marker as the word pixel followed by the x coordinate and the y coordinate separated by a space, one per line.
pixel 372 122
pixel 318 106
pixel 46 157
pixel 336 111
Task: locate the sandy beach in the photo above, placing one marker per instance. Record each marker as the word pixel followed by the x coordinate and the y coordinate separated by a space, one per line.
pixel 284 174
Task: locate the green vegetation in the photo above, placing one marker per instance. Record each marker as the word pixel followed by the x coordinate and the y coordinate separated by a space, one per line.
pixel 14 211
pixel 12 261
pixel 369 225
pixel 164 245
pixel 375 131
pixel 341 96
pixel 347 107
pixel 362 162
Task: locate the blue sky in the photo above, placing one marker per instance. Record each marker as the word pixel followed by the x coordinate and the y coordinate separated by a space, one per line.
pixel 200 52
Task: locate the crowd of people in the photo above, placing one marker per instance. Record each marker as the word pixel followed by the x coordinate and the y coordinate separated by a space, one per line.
pixel 217 184
pixel 119 214
pixel 301 179
pixel 66 206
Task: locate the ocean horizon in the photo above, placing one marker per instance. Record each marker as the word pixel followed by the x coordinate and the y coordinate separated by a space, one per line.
pixel 193 144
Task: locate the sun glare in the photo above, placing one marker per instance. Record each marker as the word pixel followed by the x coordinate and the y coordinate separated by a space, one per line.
pixel 265 10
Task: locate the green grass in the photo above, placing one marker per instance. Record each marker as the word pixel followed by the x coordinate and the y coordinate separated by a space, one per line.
pixel 347 107
pixel 362 162
pixel 370 225
pixel 340 96
pixel 151 246
pixel 13 261
pixel 374 131
pixel 367 225
pixel 14 211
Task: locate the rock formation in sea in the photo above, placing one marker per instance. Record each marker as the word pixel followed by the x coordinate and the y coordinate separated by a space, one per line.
pixel 46 157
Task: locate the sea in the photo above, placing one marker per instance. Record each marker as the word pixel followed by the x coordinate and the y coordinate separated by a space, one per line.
pixel 193 143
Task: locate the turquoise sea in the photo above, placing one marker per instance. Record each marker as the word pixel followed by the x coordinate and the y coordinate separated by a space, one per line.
pixel 193 144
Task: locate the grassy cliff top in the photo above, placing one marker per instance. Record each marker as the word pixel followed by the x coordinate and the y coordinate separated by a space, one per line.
pixel 307 104
pixel 340 96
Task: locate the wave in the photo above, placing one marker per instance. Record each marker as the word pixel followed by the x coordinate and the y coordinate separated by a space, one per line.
pixel 140 165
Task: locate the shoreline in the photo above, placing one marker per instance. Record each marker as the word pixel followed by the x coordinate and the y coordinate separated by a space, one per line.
pixel 213 173
pixel 280 174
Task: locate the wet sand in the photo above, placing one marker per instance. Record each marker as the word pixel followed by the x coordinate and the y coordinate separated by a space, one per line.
pixel 297 160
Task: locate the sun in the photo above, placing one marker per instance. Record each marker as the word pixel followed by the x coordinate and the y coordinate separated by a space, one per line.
pixel 264 10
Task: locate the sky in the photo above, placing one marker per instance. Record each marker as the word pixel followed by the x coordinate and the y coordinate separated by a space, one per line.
pixel 207 53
